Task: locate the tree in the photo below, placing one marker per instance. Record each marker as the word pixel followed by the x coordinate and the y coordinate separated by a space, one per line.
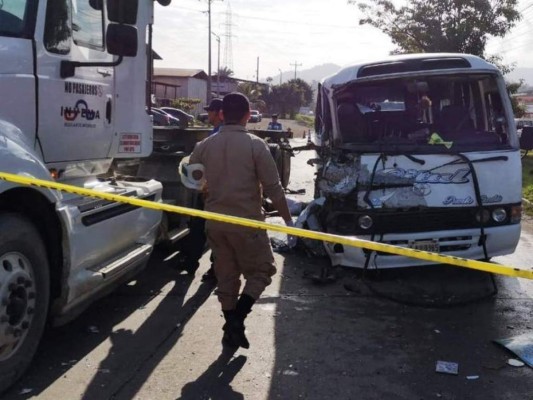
pixel 305 89
pixel 519 109
pixel 288 97
pixel 225 72
pixel 457 26
pixel 185 104
pixel 422 26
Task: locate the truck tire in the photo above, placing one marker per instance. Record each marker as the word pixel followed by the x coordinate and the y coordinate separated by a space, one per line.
pixel 283 163
pixel 24 295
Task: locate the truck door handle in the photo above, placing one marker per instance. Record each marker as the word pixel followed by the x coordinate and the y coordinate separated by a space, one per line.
pixel 108 111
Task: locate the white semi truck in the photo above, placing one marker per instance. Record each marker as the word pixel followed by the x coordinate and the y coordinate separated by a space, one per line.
pixel 73 80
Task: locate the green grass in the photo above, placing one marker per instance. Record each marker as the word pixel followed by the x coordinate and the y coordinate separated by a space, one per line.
pixel 306 120
pixel 527 182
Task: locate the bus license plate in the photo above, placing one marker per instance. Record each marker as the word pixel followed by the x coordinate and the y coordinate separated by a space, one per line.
pixel 425 245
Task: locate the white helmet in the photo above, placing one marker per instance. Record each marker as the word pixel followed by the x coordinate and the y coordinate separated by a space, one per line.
pixel 192 175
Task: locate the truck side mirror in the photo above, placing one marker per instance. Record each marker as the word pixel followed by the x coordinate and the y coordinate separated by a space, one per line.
pixel 121 40
pixel 123 11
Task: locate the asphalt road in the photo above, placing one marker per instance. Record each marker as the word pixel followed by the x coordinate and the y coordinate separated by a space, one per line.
pixel 158 337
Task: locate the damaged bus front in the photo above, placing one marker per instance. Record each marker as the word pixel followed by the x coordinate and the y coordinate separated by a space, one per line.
pixel 418 151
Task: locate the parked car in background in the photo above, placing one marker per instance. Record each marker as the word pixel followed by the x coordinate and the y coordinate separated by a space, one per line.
pixel 202 117
pixel 185 118
pixel 161 118
pixel 255 116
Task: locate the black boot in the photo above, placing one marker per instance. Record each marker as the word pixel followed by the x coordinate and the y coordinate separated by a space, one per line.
pixel 227 339
pixel 234 326
pixel 243 308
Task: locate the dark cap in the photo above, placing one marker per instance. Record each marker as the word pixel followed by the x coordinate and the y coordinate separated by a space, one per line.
pixel 234 106
pixel 215 105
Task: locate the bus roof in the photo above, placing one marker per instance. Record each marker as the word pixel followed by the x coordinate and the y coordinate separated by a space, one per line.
pixel 405 63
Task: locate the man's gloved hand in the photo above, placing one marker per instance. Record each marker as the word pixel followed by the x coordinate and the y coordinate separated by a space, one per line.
pixel 291 240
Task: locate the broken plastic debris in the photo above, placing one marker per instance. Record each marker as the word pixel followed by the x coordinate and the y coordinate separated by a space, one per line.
pixel 436 139
pixel 290 373
pixel 447 367
pixel 472 377
pixel 521 345
pixel 515 363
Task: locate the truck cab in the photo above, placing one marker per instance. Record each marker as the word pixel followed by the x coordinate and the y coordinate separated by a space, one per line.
pixel 73 78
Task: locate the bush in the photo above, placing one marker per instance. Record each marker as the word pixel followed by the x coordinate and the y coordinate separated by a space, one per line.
pixel 306 120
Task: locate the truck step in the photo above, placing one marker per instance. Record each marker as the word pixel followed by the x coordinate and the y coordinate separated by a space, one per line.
pixel 177 234
pixel 124 262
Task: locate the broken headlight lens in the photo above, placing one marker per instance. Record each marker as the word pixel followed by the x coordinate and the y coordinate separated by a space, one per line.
pixel 365 222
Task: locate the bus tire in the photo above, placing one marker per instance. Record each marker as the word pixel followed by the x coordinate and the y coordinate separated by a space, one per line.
pixel 24 295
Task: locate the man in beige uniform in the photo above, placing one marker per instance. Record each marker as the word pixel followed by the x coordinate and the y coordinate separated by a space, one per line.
pixel 238 168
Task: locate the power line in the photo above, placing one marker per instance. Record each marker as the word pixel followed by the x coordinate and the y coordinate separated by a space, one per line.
pixel 228 48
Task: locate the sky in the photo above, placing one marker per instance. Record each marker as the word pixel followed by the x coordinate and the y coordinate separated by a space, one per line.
pixel 289 35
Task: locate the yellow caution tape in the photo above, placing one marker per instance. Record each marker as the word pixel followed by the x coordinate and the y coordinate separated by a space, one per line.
pixel 326 237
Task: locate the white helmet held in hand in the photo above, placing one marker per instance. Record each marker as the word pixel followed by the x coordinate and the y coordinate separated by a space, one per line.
pixel 192 175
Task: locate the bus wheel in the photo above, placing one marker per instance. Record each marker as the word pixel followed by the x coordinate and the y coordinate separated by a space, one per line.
pixel 24 295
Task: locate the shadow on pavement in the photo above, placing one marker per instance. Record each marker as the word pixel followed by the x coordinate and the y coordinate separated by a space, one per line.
pixel 66 347
pixel 214 383
pixel 333 343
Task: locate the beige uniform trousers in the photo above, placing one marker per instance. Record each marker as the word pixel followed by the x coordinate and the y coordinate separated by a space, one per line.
pixel 245 253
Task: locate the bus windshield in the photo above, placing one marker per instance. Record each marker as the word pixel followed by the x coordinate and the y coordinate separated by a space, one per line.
pixel 459 111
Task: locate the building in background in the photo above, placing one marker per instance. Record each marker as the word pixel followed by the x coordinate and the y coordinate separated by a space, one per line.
pixel 169 84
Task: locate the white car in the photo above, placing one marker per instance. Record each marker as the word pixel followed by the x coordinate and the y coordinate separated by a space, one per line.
pixel 255 116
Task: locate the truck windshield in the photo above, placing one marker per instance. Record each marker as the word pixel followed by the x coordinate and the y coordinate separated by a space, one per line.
pixel 444 112
pixel 14 18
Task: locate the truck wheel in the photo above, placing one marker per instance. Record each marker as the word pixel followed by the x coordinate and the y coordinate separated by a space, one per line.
pixel 24 295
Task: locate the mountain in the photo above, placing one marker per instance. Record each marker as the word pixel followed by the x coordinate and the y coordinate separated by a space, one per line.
pixel 316 73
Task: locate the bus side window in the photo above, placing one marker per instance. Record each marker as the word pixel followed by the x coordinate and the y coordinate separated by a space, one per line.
pixel 497 121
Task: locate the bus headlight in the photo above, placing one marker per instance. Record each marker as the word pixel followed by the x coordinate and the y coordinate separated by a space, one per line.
pixel 499 215
pixel 365 222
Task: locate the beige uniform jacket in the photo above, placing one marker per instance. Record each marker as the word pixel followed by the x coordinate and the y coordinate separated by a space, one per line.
pixel 237 165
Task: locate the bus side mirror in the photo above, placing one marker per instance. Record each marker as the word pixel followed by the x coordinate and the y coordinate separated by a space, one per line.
pixel 121 40
pixel 122 11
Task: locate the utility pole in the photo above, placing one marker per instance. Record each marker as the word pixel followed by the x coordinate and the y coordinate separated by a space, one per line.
pixel 257 72
pixel 295 65
pixel 209 51
pixel 280 75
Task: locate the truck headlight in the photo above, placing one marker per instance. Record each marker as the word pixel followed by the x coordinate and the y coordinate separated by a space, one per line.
pixel 365 222
pixel 499 215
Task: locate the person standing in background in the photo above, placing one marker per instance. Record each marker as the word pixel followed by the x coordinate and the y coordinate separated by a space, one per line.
pixel 274 124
